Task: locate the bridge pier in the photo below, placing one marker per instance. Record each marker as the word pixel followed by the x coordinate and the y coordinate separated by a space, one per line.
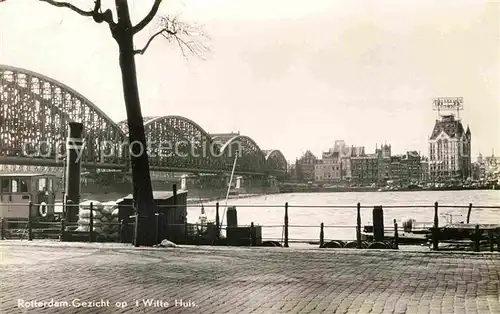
pixel 184 179
pixel 239 182
pixel 272 182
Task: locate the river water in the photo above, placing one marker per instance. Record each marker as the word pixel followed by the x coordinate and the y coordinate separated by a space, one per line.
pixel 268 211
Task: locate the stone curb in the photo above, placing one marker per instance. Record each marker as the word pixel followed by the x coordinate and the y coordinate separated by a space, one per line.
pixel 119 246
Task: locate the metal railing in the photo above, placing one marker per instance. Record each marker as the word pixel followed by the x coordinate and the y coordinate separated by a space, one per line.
pixel 121 228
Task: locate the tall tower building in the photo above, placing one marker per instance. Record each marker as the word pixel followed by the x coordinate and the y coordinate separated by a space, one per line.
pixel 449 150
pixel 449 143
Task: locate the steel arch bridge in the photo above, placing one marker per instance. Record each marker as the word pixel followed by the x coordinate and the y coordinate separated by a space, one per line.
pixel 35 111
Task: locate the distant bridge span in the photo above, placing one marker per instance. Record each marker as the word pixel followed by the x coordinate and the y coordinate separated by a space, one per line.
pixel 35 111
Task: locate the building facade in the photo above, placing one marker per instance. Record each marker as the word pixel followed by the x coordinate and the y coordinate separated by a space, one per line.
pixel 304 167
pixel 492 167
pixel 449 150
pixel 424 169
pixel 365 169
pixel 344 163
pixel 384 163
pixel 411 170
pixel 328 170
pixel 335 164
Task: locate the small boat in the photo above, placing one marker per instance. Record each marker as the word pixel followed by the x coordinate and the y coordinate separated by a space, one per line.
pixel 412 233
pixel 409 238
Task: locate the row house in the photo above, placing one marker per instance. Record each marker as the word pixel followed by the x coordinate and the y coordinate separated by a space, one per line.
pixel 424 169
pixel 336 163
pixel 411 168
pixel 328 170
pixel 304 167
pixel 365 169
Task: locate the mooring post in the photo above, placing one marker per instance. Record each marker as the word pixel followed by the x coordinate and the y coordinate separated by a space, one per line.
pixel 217 222
pixel 30 222
pixel 2 233
pixel 477 238
pixel 252 234
pixel 321 235
pixel 468 212
pixel 435 228
pixel 358 227
pixel 286 225
pixel 378 224
pixel 396 235
pixel 91 221
pixel 74 147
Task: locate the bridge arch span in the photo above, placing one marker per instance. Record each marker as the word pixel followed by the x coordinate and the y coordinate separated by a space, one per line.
pixel 249 153
pixel 275 160
pixel 38 109
pixel 176 141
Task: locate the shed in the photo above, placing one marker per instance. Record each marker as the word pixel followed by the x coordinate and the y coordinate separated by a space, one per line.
pixel 172 214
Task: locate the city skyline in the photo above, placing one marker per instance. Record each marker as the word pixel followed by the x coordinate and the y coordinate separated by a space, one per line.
pixel 295 79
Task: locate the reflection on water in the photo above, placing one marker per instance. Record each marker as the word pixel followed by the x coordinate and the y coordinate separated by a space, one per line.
pixel 269 210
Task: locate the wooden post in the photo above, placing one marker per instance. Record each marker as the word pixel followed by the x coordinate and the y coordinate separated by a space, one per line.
pixel 498 239
pixel 186 232
pixel 378 224
pixel 30 227
pixel 157 227
pixel 321 235
pixel 217 221
pixel 252 234
pixel 468 212
pixel 490 238
pixel 174 194
pixel 123 231
pixel 358 227
pixel 477 238
pixel 63 223
pixel 2 233
pixel 435 228
pixel 136 226
pixel 91 221
pixel 286 225
pixel 396 235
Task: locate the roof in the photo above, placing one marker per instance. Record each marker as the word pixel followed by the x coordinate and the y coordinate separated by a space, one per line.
pixel 356 151
pixel 157 195
pixel 24 175
pixel 453 128
pixel 308 156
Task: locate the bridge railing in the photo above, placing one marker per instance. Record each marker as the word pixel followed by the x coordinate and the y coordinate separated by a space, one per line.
pixel 328 226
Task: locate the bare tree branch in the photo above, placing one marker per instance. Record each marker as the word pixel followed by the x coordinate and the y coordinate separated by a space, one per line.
pixel 96 13
pixel 187 36
pixel 69 6
pixel 148 18
pixel 143 50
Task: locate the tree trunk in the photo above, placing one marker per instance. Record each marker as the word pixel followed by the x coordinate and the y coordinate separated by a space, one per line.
pixel 141 180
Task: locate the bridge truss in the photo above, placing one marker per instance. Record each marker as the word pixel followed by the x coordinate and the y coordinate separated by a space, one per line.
pixel 35 111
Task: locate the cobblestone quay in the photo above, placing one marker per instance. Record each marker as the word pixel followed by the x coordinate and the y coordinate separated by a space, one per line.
pixel 107 279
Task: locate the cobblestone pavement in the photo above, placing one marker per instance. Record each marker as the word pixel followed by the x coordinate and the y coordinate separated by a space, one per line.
pixel 246 280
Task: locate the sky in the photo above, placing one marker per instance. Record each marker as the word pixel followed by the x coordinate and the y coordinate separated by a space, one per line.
pixel 292 75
